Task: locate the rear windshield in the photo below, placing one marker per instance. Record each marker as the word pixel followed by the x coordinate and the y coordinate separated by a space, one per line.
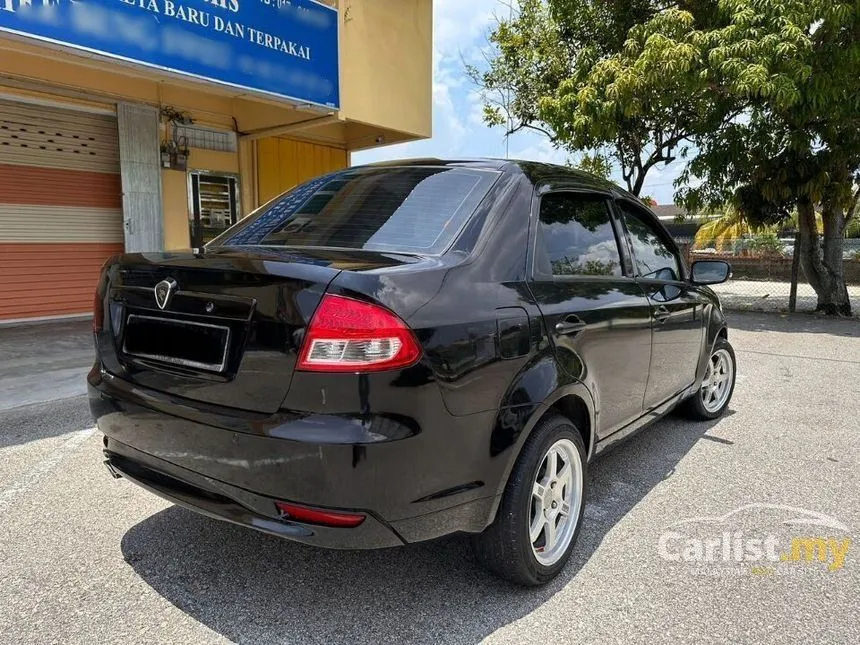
pixel 414 209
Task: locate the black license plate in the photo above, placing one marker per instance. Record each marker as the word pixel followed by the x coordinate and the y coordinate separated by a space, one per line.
pixel 179 342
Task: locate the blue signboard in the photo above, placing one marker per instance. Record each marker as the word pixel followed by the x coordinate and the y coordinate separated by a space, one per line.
pixel 287 48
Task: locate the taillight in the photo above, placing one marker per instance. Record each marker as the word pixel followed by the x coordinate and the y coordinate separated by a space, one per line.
pixel 347 335
pixel 98 312
pixel 308 515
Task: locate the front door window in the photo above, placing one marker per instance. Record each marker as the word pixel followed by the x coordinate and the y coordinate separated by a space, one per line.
pixel 652 257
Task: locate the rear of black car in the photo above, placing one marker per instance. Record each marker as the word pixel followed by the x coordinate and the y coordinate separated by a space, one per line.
pixel 277 378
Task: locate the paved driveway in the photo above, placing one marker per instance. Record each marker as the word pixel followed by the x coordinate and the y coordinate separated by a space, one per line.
pixel 86 559
pixel 45 362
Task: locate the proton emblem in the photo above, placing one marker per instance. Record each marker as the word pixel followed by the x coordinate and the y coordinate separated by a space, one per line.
pixel 164 292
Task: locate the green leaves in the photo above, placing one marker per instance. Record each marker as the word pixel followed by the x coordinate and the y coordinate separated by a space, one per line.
pixel 791 71
pixel 750 87
pixel 593 74
pixel 597 164
pixel 764 95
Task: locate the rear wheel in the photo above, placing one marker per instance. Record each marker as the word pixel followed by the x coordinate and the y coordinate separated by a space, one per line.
pixel 716 387
pixel 541 510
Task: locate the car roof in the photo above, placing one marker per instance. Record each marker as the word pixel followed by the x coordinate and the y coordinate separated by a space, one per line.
pixel 479 163
pixel 538 173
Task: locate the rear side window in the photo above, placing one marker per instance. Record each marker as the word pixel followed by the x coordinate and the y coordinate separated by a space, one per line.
pixel 408 209
pixel 575 236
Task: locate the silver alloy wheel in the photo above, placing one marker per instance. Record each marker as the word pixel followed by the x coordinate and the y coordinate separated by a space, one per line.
pixel 556 501
pixel 717 382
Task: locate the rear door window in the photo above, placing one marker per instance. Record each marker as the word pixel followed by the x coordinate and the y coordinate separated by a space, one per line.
pixel 575 237
pixel 416 209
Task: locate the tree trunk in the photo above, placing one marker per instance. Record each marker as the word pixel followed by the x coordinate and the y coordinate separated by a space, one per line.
pixel 636 188
pixel 822 263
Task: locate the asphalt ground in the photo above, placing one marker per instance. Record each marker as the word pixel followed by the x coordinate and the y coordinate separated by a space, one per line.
pixel 44 362
pixel 88 559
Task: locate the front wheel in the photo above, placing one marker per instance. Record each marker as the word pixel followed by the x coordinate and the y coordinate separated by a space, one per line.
pixel 541 510
pixel 716 387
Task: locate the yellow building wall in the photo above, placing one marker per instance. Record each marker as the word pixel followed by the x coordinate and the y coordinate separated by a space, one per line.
pixel 174 193
pixel 283 163
pixel 386 58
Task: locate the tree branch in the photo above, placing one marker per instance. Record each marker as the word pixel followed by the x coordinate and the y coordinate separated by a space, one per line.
pixel 528 126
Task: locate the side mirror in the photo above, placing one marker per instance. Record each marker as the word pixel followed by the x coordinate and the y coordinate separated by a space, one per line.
pixel 710 272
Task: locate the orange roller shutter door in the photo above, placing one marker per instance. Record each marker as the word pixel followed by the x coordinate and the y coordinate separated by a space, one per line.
pixel 60 208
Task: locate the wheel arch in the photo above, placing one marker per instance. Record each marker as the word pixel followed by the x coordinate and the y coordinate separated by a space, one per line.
pixel 715 329
pixel 574 408
pixel 571 400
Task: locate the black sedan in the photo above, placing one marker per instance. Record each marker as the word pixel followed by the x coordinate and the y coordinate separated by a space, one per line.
pixel 392 353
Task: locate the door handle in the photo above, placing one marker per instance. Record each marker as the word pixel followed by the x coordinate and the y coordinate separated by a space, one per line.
pixel 661 314
pixel 570 325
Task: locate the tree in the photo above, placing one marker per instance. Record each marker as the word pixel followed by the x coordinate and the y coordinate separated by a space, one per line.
pixel 763 95
pixel 792 70
pixel 592 75
pixel 596 164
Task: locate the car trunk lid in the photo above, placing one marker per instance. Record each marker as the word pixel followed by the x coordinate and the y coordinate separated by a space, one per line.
pixel 226 326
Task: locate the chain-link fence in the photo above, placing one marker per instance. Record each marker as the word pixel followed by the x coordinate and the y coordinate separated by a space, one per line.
pixel 762 269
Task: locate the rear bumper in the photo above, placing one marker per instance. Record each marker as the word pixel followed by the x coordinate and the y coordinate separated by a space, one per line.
pixel 413 488
pixel 231 504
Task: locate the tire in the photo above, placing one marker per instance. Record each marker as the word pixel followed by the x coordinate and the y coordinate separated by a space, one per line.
pixel 506 547
pixel 695 407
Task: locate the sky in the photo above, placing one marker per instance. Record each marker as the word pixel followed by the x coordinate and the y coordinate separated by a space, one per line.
pixel 460 31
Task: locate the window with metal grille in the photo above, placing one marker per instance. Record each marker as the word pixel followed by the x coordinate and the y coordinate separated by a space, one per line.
pixel 195 136
pixel 215 207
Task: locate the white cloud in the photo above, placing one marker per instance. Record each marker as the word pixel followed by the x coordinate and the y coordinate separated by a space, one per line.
pixel 460 24
pixel 539 149
pixel 444 108
pixel 476 109
pixel 660 180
